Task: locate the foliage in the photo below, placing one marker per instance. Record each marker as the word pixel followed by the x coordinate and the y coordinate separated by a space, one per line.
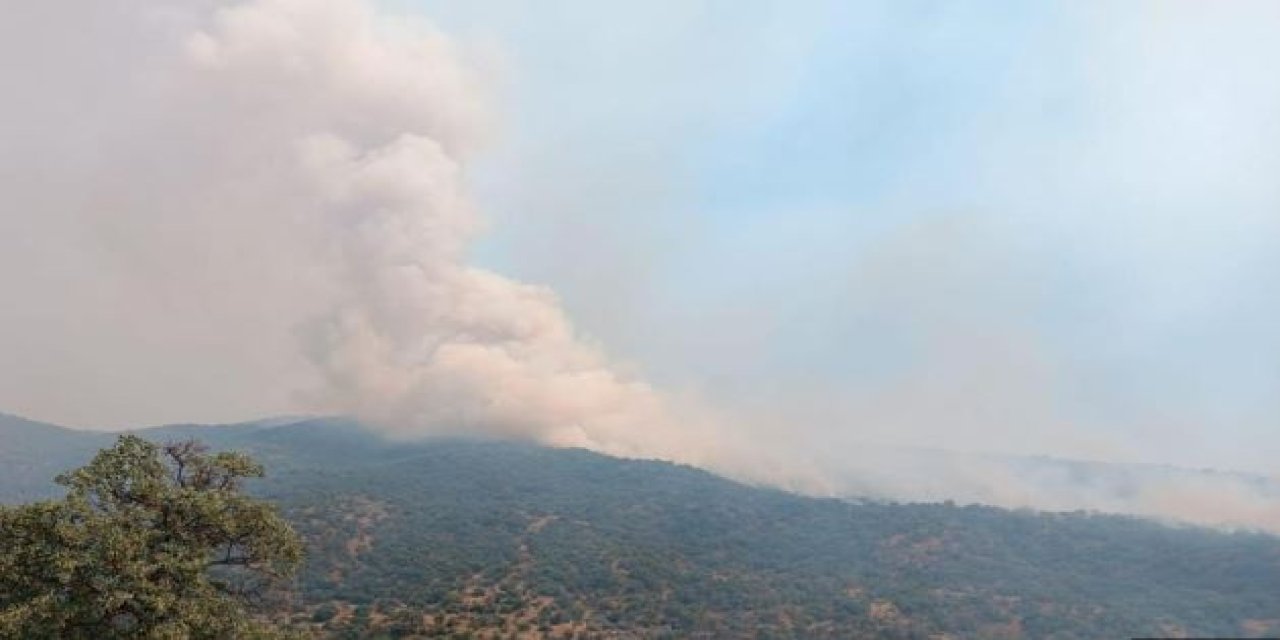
pixel 148 542
pixel 445 537
pixel 496 540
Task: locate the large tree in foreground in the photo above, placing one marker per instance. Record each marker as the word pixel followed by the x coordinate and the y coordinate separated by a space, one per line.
pixel 149 542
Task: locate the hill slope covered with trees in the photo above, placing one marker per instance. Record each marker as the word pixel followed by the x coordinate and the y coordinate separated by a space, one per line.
pixel 498 539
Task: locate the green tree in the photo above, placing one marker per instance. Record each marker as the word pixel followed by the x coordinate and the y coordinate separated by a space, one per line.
pixel 149 542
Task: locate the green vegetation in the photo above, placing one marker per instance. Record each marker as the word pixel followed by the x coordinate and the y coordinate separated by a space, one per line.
pixel 501 540
pixel 512 539
pixel 148 542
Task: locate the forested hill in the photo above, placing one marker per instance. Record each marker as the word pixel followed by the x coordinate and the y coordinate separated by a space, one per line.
pixel 501 540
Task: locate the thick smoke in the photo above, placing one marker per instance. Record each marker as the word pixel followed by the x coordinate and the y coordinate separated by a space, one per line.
pixel 417 340
pixel 218 210
pixel 421 341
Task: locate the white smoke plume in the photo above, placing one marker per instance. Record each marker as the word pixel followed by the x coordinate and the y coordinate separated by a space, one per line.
pixel 418 340
pixel 291 172
pixel 217 210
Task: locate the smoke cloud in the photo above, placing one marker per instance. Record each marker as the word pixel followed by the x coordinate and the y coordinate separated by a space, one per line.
pixel 293 173
pixel 220 210
pixel 421 342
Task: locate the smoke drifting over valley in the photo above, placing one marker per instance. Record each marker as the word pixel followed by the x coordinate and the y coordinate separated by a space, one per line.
pixel 220 210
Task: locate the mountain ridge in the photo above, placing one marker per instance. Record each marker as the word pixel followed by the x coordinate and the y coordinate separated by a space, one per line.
pixel 10 423
pixel 498 539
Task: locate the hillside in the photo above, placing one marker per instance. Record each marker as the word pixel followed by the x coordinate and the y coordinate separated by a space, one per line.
pixel 32 453
pixel 502 539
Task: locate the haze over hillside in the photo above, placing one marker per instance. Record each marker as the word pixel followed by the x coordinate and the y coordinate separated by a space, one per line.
pixel 497 538
pixel 34 452
pixel 916 251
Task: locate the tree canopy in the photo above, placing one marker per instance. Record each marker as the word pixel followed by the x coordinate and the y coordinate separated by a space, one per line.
pixel 149 541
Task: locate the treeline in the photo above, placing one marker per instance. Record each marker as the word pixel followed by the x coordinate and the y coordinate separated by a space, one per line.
pixel 499 540
pixel 516 539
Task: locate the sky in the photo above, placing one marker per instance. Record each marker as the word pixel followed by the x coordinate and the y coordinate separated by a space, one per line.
pixel 682 230
pixel 1052 225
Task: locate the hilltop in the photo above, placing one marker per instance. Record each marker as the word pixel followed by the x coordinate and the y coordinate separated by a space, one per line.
pixel 502 539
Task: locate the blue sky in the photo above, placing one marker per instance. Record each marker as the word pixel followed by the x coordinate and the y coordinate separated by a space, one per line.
pixel 1036 227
